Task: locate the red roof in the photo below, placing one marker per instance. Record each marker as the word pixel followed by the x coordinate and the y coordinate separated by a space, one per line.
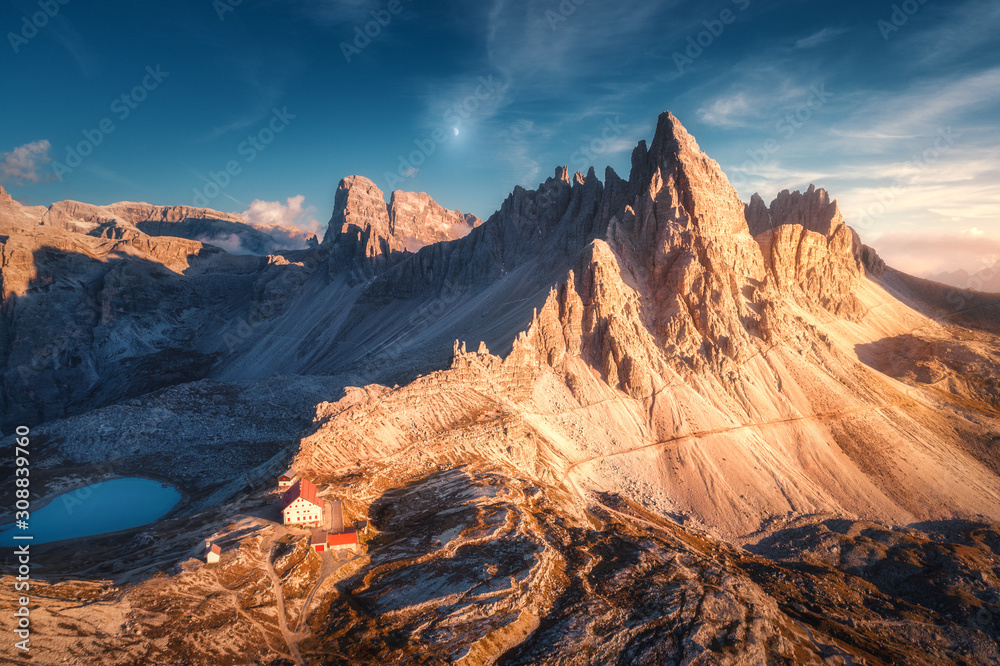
pixel 215 549
pixel 303 488
pixel 346 538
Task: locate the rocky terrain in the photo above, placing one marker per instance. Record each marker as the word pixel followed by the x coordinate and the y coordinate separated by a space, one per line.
pixel 417 220
pixel 408 222
pixel 199 224
pixel 621 421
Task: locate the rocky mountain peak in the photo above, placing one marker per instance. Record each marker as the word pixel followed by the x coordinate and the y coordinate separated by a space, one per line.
pixel 13 211
pixel 410 221
pixel 808 249
pixel 670 249
pixel 812 209
pixel 675 168
pixel 671 140
pixel 758 215
pixel 360 213
pixel 417 220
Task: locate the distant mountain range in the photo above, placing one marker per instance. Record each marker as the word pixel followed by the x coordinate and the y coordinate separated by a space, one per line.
pixel 633 421
pixel 415 218
pixel 985 280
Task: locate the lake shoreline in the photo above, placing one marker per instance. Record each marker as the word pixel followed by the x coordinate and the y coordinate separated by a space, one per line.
pixel 7 517
pixel 113 506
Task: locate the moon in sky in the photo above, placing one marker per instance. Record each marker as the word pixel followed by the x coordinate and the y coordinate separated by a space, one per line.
pixel 455 130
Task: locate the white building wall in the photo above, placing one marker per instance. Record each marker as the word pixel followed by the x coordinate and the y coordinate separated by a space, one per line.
pixel 301 512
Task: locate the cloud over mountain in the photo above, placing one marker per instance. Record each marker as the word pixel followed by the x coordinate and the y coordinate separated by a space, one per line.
pixel 290 224
pixel 25 164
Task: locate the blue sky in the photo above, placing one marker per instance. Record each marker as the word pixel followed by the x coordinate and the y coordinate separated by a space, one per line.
pixel 892 107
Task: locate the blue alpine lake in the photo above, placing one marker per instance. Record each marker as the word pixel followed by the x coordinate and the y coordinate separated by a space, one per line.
pixel 108 506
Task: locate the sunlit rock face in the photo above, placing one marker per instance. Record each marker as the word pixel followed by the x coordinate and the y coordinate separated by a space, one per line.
pixel 621 421
pixel 408 222
pixel 418 221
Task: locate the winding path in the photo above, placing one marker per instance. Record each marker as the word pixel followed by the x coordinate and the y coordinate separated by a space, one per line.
pixel 291 639
pixel 718 431
pixel 327 569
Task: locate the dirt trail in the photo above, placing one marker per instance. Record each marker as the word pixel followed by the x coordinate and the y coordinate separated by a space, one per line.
pixel 291 639
pixel 718 431
pixel 327 569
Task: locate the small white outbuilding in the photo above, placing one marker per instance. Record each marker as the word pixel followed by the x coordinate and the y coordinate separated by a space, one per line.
pixel 287 479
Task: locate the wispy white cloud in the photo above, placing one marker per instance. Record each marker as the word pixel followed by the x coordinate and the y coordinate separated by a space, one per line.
pixel 267 97
pixel 258 83
pixel 958 29
pixel 926 206
pixel 820 37
pixel 197 174
pixel 541 46
pixel 619 145
pixel 920 110
pixel 464 102
pixel 520 140
pixel 25 164
pixel 761 96
pixel 729 111
pixel 61 30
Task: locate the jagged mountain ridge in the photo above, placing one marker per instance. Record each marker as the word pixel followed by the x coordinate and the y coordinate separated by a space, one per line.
pixel 393 315
pixel 680 326
pixel 91 291
pixel 87 320
pixel 408 222
pixel 198 224
pixel 420 220
pixel 665 307
pixel 669 368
